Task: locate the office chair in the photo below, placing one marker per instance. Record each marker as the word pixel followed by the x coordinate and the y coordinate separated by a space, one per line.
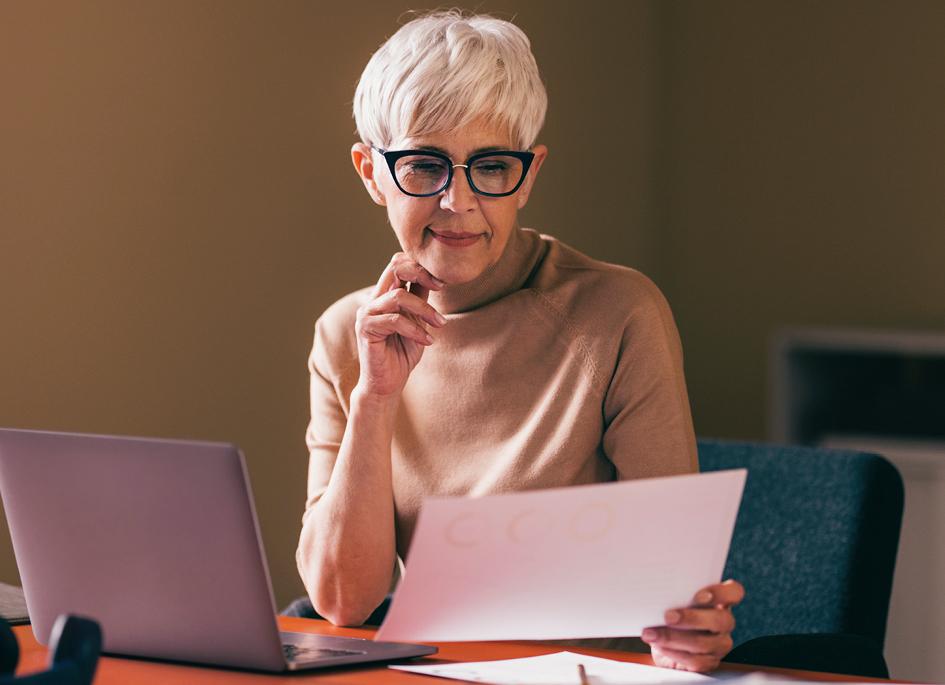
pixel 302 608
pixel 74 647
pixel 815 546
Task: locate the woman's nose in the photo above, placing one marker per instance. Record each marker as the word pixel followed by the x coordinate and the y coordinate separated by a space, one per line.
pixel 459 197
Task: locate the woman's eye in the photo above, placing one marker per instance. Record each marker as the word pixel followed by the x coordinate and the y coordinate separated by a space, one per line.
pixel 425 168
pixel 491 167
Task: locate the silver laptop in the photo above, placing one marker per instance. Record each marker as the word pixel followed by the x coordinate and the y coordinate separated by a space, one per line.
pixel 158 541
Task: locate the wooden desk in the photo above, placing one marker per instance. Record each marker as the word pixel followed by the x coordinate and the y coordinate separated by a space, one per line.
pixel 121 671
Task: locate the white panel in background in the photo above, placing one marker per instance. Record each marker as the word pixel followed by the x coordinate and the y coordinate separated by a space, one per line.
pixel 915 631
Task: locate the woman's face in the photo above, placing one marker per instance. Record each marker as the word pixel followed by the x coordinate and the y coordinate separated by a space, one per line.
pixel 457 234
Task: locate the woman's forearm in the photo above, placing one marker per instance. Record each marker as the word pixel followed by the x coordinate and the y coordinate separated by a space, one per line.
pixel 347 550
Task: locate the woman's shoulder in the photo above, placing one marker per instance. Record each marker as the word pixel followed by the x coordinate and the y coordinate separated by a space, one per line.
pixel 335 343
pixel 579 283
pixel 340 315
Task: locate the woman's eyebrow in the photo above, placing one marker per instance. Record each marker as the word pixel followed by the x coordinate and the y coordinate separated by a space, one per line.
pixel 491 148
pixel 434 148
pixel 431 148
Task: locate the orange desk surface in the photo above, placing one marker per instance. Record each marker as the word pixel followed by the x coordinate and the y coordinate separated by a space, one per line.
pixel 115 671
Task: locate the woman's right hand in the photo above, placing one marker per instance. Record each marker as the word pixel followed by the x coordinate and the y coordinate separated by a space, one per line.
pixel 390 328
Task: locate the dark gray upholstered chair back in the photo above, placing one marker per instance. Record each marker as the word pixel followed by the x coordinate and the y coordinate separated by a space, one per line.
pixel 815 540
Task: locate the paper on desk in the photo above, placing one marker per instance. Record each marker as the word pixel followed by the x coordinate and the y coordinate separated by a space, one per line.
pixel 556 669
pixel 601 560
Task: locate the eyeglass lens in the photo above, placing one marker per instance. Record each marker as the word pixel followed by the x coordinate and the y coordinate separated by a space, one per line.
pixel 425 175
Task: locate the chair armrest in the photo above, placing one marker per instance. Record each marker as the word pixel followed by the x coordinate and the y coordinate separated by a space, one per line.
pixel 830 652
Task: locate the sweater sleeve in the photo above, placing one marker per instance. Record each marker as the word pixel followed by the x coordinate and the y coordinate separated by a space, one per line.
pixel 648 428
pixel 333 372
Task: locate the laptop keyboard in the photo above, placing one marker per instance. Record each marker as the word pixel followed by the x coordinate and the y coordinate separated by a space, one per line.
pixel 297 653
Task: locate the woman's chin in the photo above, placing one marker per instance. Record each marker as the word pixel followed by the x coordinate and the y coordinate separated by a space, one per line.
pixel 452 276
pixel 453 273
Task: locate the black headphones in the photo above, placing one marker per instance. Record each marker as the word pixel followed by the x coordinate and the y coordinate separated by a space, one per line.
pixel 74 646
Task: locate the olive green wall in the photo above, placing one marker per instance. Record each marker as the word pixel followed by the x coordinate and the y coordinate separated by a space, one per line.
pixel 801 180
pixel 177 206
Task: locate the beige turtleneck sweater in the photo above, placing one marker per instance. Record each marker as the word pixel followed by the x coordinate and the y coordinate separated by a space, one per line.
pixel 553 369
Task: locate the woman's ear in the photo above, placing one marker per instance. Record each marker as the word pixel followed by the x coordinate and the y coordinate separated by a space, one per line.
pixel 541 152
pixel 363 160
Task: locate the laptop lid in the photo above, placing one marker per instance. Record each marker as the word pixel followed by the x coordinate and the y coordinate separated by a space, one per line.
pixel 156 539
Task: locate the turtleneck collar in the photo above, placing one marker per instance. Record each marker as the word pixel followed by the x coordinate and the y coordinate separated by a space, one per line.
pixel 505 276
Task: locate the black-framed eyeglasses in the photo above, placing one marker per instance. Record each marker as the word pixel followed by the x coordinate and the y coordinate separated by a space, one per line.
pixel 422 173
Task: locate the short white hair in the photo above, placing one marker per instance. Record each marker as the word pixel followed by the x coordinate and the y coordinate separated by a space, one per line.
pixel 442 71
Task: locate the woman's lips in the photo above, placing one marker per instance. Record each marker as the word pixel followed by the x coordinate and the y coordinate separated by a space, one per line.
pixel 456 239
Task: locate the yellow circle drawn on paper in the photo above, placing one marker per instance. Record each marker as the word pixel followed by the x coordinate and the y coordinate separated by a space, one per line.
pixel 519 532
pixel 592 522
pixel 466 530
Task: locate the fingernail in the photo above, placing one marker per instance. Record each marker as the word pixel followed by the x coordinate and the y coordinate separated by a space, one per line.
pixel 649 634
pixel 672 616
pixel 704 597
pixel 437 281
pixel 440 319
pixel 429 339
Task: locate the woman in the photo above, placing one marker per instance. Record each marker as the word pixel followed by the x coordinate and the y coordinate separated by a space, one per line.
pixel 487 358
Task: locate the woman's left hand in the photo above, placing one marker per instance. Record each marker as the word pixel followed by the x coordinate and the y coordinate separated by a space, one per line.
pixel 697 637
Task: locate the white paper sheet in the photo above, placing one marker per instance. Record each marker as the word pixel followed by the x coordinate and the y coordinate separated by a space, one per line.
pixel 601 560
pixel 556 669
